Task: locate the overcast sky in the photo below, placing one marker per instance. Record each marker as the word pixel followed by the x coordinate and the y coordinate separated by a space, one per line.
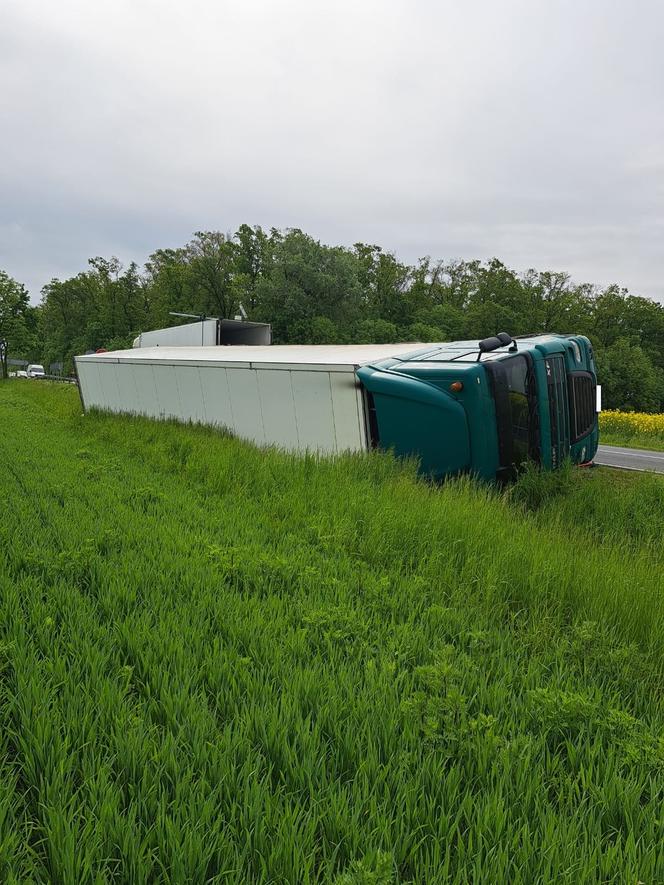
pixel 532 130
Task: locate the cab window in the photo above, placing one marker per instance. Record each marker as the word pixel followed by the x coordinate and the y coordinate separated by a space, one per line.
pixel 517 375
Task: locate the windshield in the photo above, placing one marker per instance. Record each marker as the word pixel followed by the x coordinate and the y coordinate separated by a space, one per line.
pixel 517 385
pixel 516 410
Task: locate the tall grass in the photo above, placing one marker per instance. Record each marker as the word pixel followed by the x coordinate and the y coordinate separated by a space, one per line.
pixel 226 665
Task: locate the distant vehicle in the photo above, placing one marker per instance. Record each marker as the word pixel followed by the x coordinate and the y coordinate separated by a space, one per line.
pixel 35 371
pixel 463 407
pixel 21 374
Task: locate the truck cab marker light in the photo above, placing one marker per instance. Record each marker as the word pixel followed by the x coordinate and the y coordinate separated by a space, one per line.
pixel 456 386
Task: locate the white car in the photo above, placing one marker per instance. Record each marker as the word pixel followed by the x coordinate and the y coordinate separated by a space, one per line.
pixel 35 371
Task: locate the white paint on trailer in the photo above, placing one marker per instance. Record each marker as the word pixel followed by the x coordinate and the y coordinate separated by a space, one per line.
pixel 108 383
pixel 296 397
pixel 186 335
pixel 313 410
pixel 168 396
pixel 127 392
pixel 188 380
pixel 245 404
pixel 216 397
pixel 329 358
pixel 148 404
pixel 275 389
pixel 90 381
pixel 348 412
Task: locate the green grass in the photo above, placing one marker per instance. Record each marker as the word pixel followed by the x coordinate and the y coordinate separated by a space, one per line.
pixel 219 664
pixel 612 508
pixel 650 441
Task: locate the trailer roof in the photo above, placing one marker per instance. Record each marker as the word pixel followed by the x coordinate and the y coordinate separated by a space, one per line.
pixel 337 355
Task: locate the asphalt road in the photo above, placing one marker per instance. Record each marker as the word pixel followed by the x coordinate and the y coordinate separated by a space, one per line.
pixel 630 459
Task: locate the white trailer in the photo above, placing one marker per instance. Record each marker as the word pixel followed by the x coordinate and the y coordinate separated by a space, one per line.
pixel 297 397
pixel 187 334
pixel 207 333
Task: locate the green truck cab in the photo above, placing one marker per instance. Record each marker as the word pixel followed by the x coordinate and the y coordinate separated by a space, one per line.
pixel 486 408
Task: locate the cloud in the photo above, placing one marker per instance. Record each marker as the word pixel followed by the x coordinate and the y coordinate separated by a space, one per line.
pixel 527 130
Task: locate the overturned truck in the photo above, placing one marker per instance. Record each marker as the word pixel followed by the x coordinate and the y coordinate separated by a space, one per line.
pixel 463 407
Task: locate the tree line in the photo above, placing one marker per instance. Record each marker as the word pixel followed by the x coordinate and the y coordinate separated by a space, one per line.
pixel 312 293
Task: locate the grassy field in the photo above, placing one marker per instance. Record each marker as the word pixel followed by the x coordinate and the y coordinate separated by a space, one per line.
pixel 225 665
pixel 639 430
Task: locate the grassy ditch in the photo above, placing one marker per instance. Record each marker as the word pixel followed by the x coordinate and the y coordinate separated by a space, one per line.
pixel 221 664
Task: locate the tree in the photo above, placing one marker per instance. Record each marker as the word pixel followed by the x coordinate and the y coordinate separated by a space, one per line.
pixel 384 282
pixel 552 303
pixel 168 287
pixel 609 316
pixel 313 293
pixel 495 302
pixel 323 331
pixel 308 280
pixel 423 332
pixel 211 268
pixel 15 331
pixel 102 305
pixel 253 260
pixel 375 332
pixel 629 379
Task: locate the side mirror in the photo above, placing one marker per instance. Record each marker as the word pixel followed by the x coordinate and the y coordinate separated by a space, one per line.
pixel 486 345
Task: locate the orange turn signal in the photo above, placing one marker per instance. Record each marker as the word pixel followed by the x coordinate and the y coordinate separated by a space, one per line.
pixel 456 386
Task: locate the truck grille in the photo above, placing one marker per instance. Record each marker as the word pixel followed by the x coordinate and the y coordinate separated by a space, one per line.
pixel 581 403
pixel 558 409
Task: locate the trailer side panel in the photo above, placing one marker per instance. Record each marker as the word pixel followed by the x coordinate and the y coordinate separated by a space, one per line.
pixel 278 407
pixel 294 407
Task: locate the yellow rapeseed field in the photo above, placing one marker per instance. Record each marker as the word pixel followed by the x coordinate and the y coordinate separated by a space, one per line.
pixel 632 423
